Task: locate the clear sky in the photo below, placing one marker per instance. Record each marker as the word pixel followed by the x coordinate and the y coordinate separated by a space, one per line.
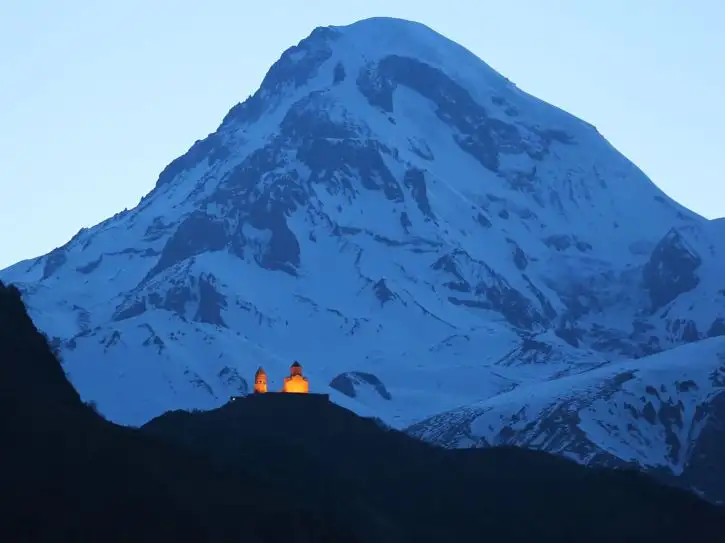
pixel 97 97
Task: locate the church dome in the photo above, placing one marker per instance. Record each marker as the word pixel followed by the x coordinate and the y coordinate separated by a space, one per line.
pixel 296 382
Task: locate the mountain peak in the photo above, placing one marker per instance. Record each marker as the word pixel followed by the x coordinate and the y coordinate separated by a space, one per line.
pixel 331 53
pixel 378 37
pixel 517 246
pixel 387 24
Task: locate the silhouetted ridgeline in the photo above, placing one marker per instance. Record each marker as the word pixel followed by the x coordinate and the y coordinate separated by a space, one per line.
pixel 288 469
pixel 323 452
pixel 66 474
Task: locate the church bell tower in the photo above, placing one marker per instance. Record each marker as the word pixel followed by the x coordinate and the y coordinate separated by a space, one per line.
pixel 260 381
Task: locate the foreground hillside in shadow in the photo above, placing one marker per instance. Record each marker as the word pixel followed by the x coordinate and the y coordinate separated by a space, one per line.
pixel 383 480
pixel 289 468
pixel 66 474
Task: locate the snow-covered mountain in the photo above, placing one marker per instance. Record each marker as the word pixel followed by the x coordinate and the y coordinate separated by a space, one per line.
pixel 417 231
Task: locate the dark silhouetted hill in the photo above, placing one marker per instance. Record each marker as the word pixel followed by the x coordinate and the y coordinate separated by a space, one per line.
pixel 357 470
pixel 66 474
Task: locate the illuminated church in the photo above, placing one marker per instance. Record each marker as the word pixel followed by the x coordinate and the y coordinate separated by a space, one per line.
pixel 296 383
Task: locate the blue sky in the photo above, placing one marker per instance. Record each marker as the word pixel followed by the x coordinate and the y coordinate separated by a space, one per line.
pixel 97 97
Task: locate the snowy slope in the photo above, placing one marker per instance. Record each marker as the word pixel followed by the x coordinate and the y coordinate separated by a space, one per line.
pixel 657 412
pixel 387 209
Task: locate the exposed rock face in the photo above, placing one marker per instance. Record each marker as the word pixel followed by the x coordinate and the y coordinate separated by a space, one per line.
pixel 670 270
pixel 704 471
pixel 350 382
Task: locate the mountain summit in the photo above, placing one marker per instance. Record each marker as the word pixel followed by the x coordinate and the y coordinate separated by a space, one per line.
pixel 425 238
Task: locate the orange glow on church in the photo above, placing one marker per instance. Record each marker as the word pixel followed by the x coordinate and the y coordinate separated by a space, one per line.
pixel 260 381
pixel 296 383
pixel 294 386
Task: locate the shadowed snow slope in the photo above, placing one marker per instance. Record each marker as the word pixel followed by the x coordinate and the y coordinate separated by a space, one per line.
pixel 388 206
